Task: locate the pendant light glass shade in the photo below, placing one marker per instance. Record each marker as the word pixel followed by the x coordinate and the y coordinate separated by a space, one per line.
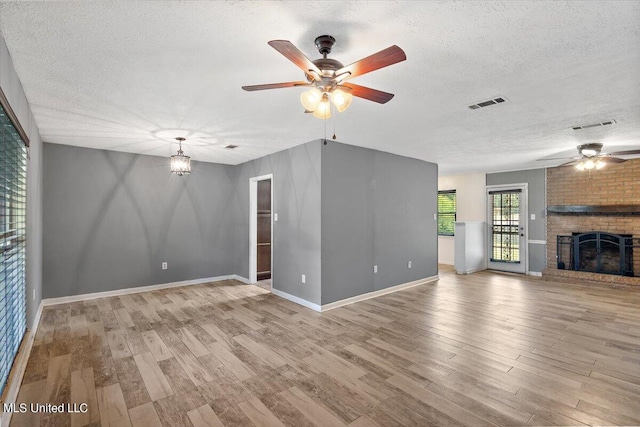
pixel 341 99
pixel 180 164
pixel 310 99
pixel 323 111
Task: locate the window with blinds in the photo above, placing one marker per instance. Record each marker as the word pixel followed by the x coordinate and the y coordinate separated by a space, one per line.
pixel 13 200
pixel 446 212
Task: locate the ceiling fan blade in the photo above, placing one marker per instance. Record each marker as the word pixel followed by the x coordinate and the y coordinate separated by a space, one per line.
pixel 555 158
pixel 274 86
pixel 294 55
pixel 572 162
pixel 625 153
pixel 613 160
pixel 367 93
pixel 384 58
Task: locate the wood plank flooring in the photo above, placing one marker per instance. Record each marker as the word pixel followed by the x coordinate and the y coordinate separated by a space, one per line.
pixel 477 350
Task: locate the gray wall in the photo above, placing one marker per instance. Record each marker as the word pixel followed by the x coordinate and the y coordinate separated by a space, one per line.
pixel 377 209
pixel 12 89
pixel 296 234
pixel 111 219
pixel 536 180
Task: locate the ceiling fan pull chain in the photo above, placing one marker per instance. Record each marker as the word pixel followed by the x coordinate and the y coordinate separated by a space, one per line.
pixel 335 117
pixel 325 131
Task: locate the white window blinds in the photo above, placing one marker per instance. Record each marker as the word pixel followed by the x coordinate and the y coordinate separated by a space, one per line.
pixel 13 200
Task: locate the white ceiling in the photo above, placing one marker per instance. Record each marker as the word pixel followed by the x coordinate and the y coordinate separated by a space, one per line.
pixel 130 76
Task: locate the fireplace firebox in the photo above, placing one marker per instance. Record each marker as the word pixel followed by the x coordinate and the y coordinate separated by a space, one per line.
pixel 596 252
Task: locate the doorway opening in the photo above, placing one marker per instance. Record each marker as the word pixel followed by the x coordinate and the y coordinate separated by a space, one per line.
pixel 507 216
pixel 261 231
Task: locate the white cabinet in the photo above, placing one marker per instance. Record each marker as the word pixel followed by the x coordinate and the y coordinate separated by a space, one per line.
pixel 470 247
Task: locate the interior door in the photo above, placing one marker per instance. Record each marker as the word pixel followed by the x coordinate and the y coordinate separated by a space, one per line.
pixel 507 217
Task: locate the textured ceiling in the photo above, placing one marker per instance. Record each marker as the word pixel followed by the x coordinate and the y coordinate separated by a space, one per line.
pixel 130 76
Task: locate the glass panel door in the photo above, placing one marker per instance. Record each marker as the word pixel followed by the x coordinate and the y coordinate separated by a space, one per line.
pixel 507 229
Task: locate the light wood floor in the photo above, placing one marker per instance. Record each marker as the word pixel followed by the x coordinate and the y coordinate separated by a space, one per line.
pixel 473 350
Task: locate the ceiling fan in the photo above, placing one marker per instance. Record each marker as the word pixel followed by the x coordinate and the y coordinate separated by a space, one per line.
pixel 326 76
pixel 592 157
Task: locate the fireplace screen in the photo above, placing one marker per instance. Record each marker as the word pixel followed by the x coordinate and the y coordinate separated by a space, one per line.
pixel 597 252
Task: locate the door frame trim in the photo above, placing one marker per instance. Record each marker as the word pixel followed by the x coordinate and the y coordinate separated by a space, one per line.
pixel 253 226
pixel 524 186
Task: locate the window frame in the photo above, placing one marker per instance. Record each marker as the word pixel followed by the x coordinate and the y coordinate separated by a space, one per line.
pixel 448 214
pixel 14 146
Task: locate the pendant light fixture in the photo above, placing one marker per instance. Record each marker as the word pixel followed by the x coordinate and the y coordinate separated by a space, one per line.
pixel 180 164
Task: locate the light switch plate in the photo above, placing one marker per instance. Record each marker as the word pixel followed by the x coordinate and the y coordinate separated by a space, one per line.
pixel 533 217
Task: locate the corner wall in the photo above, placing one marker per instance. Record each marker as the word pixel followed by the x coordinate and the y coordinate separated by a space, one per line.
pixel 377 209
pixel 296 235
pixel 536 180
pixel 471 205
pixel 12 88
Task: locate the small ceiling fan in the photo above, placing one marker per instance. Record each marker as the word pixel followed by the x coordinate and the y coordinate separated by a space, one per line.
pixel 592 157
pixel 326 76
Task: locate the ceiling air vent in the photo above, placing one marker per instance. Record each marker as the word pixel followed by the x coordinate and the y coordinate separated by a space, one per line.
pixel 607 123
pixel 231 146
pixel 493 101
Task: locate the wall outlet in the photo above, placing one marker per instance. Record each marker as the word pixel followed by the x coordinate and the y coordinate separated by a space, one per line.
pixel 34 294
pixel 164 266
pixel 304 278
pixel 375 268
pixel 275 216
pixel 533 217
pixel 409 264
pixel 435 216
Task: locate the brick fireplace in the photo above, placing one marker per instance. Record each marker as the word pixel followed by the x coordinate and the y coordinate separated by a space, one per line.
pixel 617 188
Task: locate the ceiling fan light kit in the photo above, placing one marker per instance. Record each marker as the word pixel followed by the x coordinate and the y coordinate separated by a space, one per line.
pixel 326 76
pixel 590 164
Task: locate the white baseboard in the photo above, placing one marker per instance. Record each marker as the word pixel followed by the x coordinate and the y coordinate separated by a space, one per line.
pixel 351 300
pixel 537 242
pixel 534 273
pixel 473 270
pixel 20 364
pixel 242 279
pixel 378 293
pixel 297 300
pixel 118 292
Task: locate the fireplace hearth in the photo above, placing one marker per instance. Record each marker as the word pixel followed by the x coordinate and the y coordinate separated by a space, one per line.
pixel 597 252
